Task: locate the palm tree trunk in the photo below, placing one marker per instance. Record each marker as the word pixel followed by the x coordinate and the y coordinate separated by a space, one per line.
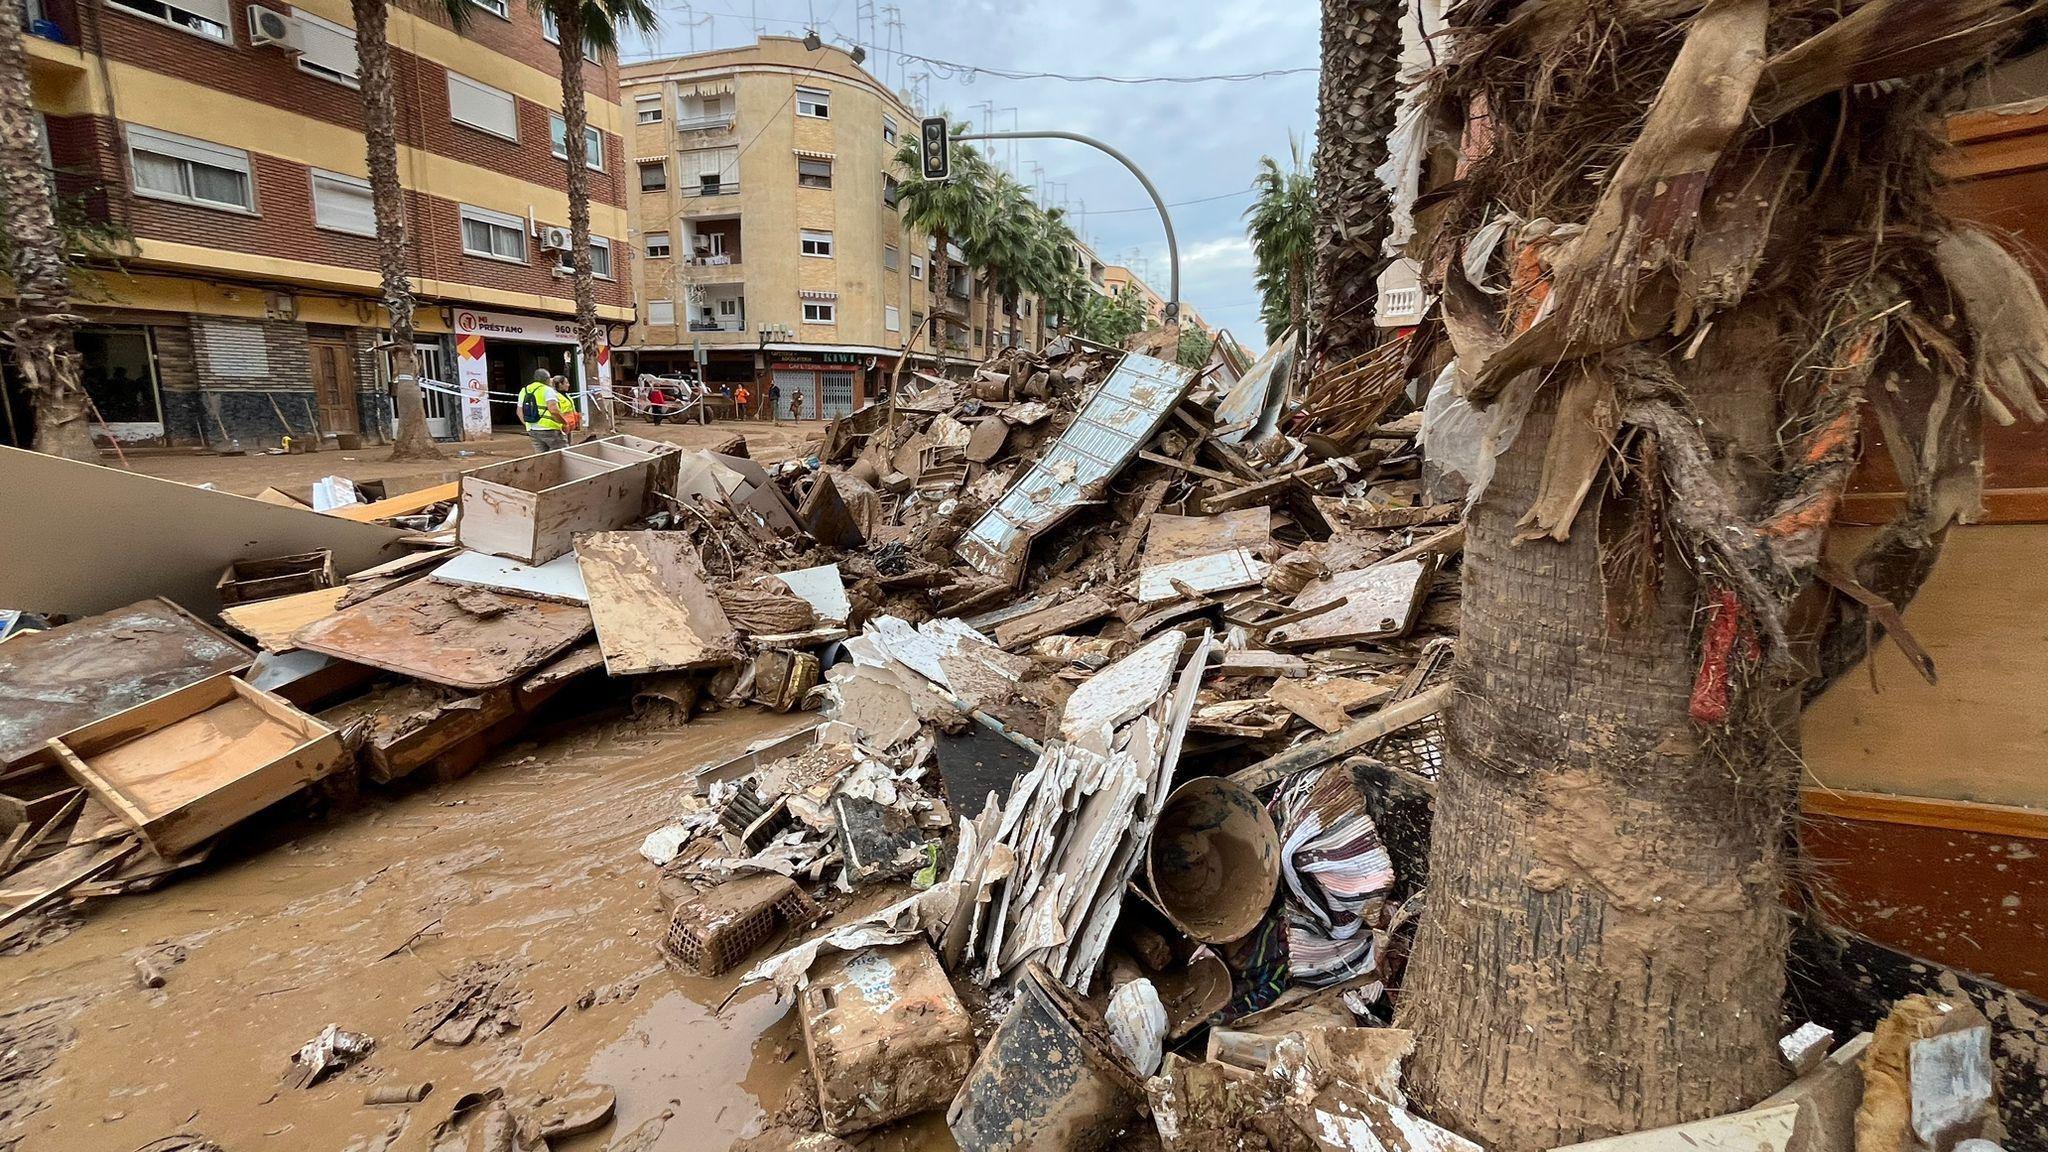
pixel 42 326
pixel 575 118
pixel 387 200
pixel 1354 115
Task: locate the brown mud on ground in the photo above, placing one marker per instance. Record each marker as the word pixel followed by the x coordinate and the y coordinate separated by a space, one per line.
pixel 530 862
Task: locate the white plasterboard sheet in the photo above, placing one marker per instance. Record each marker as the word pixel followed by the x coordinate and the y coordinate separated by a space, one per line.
pixel 1123 689
pixel 823 589
pixel 559 579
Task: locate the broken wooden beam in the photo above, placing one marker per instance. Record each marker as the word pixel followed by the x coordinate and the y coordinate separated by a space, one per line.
pixel 1323 749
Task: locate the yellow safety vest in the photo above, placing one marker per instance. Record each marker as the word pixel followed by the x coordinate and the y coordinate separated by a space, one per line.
pixel 546 401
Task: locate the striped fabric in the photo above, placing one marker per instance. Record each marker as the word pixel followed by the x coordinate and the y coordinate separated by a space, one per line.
pixel 1337 873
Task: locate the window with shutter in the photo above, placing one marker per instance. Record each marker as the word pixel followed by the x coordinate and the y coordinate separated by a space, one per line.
pixel 330 49
pixel 482 107
pixel 343 204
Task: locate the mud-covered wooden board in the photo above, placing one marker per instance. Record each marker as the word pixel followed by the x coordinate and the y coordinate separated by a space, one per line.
pixel 445 634
pixel 650 603
pixel 54 681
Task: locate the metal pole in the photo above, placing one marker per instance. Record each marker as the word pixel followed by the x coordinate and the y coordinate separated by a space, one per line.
pixel 1172 245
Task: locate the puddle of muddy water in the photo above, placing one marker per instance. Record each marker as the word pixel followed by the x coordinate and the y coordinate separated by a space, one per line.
pixel 531 861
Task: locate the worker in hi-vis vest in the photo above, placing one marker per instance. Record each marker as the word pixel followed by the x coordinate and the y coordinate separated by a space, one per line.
pixel 545 412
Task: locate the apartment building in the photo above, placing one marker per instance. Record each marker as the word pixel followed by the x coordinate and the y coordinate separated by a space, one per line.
pixel 226 138
pixel 772 249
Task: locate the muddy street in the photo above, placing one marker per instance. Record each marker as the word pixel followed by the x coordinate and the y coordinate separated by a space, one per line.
pixel 357 918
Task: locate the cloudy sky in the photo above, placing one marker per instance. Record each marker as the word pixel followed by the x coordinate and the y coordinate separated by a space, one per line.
pixel 1198 142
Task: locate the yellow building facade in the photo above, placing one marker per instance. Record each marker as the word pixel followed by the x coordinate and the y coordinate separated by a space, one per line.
pixel 225 139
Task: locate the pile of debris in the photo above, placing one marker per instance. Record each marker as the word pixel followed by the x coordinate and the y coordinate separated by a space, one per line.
pixel 1128 687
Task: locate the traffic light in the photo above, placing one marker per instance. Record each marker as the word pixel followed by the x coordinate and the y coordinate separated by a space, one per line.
pixel 938 148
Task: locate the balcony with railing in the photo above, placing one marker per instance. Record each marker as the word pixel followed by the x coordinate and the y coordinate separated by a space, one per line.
pixel 710 122
pixel 710 186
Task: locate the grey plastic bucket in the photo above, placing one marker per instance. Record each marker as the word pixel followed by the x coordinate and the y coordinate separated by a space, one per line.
pixel 1049 1080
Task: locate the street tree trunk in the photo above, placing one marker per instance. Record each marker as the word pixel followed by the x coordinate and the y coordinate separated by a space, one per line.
pixel 1604 940
pixel 575 118
pixel 1354 114
pixel 1755 258
pixel 387 200
pixel 42 324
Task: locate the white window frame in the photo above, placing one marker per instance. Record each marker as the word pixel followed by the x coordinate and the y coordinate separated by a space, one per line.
pixel 502 9
pixel 551 33
pixel 821 311
pixel 892 318
pixel 597 244
pixel 458 80
pixel 190 151
pixel 320 176
pixel 642 105
pixel 814 243
pixel 350 78
pixel 813 177
pixel 191 9
pixel 814 103
pixel 660 166
pixel 516 224
pixel 889 129
pixel 892 257
pixel 728 306
pixel 653 312
pixel 591 137
pixel 916 267
pixel 653 239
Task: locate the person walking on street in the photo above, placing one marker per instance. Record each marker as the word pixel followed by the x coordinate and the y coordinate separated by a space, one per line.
pixel 545 413
pixel 775 402
pixel 741 398
pixel 657 404
pixel 796 404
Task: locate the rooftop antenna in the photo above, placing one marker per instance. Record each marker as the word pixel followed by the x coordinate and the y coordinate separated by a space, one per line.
pixel 893 42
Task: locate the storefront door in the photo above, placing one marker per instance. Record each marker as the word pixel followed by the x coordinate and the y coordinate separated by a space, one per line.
pixel 836 394
pixel 334 386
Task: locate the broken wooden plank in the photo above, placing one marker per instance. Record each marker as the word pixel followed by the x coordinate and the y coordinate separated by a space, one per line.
pixel 1151 457
pixel 462 637
pixel 105 861
pixel 197 761
pixel 271 623
pixel 403 566
pixel 1260 662
pixel 651 605
pixel 1381 602
pixel 1135 532
pixel 1323 749
pixel 26 846
pixel 1327 704
pixel 405 504
pixel 57 680
pixel 1052 620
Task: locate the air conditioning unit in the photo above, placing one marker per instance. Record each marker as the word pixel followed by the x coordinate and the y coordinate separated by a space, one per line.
pixel 269 27
pixel 555 238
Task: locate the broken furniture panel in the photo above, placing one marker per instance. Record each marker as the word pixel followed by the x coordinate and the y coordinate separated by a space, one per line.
pixel 531 509
pixel 1124 413
pixel 246 580
pixel 198 760
pixel 887 1037
pixel 651 605
pixel 559 579
pixel 1220 572
pixel 1379 603
pixel 60 679
pixel 93 539
pixel 272 623
pixel 462 637
pixel 1060 616
pixel 1170 538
